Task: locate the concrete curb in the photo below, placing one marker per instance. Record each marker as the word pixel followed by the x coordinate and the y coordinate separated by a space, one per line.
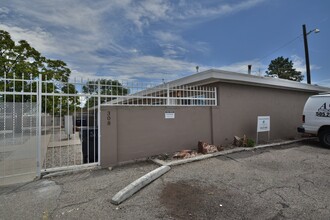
pixel 188 160
pixel 138 184
pixel 220 153
pixel 67 172
pixel 159 162
pixel 284 143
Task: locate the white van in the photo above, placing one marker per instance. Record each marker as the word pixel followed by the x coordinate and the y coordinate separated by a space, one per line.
pixel 316 118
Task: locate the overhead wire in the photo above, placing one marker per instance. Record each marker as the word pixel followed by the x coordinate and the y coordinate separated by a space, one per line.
pixel 274 51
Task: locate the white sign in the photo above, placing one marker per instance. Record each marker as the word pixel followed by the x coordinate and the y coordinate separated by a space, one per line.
pixel 263 123
pixel 169 115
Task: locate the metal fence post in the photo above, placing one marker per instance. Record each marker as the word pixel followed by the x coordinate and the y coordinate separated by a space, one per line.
pixel 99 122
pixel 39 102
pixel 215 96
pixel 168 94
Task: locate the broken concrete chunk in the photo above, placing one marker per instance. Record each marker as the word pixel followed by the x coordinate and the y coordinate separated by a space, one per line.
pixel 240 142
pixel 206 148
pixel 183 154
pixel 237 141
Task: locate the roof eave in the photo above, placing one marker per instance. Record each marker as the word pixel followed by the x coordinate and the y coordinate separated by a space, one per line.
pixel 212 75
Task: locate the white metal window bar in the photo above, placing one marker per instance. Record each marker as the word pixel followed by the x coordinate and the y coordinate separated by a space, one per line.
pixel 43 103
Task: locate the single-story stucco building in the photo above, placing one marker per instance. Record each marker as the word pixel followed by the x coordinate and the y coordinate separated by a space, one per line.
pixel 135 132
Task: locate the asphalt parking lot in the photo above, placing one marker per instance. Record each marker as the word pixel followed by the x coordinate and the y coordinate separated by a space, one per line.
pixel 286 182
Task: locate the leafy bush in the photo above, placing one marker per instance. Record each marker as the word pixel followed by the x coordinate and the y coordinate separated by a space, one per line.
pixel 250 143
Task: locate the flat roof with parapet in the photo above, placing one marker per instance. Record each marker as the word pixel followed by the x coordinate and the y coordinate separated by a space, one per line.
pixel 214 75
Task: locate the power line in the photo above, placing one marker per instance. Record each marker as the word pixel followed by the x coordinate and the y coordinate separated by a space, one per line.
pixel 286 44
pixel 274 51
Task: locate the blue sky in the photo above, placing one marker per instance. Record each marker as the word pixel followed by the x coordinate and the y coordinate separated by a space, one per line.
pixel 157 39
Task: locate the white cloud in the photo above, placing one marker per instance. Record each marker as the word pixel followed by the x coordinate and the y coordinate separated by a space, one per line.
pixel 325 83
pixel 175 46
pixel 188 13
pixel 81 76
pixel 75 26
pixel 151 67
pixel 37 38
pixel 226 9
pixel 156 69
pixel 142 13
pixel 170 51
pixel 164 36
pixel 91 36
pixel 63 13
pixel 299 64
pixel 198 10
pixel 3 11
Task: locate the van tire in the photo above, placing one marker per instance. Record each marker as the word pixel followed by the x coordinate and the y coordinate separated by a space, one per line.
pixel 324 137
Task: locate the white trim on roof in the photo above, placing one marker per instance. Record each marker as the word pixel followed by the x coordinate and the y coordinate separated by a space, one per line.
pixel 213 75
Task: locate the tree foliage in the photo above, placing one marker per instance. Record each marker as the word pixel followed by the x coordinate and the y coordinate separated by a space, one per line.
pixel 108 87
pixel 283 68
pixel 24 63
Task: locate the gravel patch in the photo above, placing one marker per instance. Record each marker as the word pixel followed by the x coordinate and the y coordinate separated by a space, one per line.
pixel 63 156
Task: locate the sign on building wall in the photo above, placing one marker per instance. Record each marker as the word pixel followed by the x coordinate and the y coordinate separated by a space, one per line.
pixel 169 115
pixel 263 125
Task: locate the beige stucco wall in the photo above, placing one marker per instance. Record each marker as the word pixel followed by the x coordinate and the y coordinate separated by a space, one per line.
pixel 139 132
pixel 240 105
pixel 130 133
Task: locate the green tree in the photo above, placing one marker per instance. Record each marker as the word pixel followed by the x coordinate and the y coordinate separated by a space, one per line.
pixel 22 62
pixel 108 87
pixel 283 68
pixel 70 104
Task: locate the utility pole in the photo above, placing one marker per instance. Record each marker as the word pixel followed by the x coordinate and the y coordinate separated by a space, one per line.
pixel 308 70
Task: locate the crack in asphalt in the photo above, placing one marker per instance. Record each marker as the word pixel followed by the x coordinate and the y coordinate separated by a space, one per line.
pixel 287 187
pixel 57 199
pixel 16 189
pixel 278 215
pixel 281 197
pixel 231 158
pixel 275 187
pixel 305 194
pixel 320 208
pixel 307 180
pixel 76 203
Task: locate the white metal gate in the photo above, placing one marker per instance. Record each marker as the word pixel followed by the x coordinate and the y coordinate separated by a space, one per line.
pixel 73 126
pixel 49 125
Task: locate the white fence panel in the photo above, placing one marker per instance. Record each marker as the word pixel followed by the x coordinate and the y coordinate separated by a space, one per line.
pixel 54 125
pixel 18 131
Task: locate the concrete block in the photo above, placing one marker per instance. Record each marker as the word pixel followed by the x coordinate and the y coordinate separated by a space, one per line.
pixel 138 184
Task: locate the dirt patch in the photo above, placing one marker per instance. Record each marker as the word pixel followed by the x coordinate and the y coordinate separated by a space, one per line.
pixel 194 200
